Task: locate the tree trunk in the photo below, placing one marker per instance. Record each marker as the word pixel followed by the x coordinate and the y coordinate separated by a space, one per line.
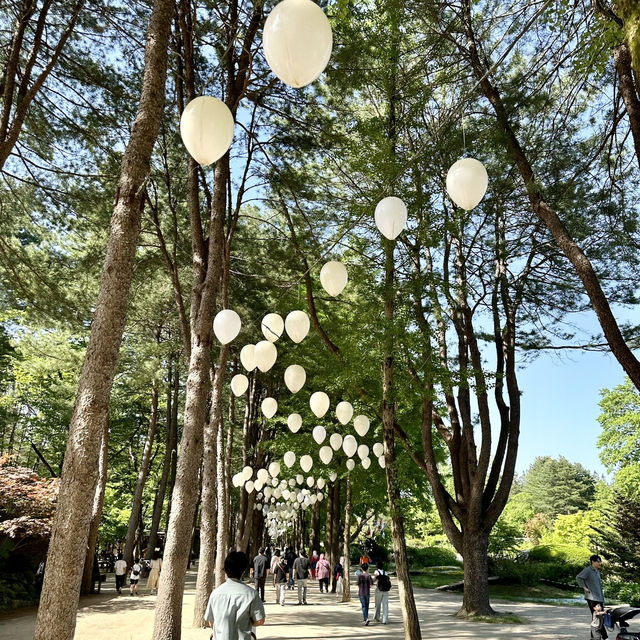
pixel 145 463
pixel 629 92
pixel 334 542
pixel 208 509
pixel 170 444
pixel 167 624
pixel 59 600
pixel 475 601
pixel 87 576
pixel 346 582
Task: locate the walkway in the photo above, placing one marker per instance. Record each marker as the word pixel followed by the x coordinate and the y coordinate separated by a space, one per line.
pixel 109 617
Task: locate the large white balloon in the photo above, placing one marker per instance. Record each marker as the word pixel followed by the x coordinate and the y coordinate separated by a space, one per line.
pixel 349 445
pixel 321 482
pixel 297 41
pixel 289 458
pixel 361 425
pixel 294 377
pixel 333 277
pixel 227 325
pixel 247 356
pixel 262 475
pixel 326 453
pixel 366 462
pixel 467 182
pixel 319 403
pixel 391 216
pixel 378 449
pixel 249 486
pixel 269 407
pixel 332 476
pixel 319 433
pixel 310 481
pixel 247 472
pixel 297 325
pixel 363 451
pixel 300 477
pixel 265 355
pixel 306 462
pixel 237 480
pixel 335 441
pixel 272 326
pixel 351 464
pixel 344 412
pixel 206 127
pixel 294 422
pixel 274 469
pixel 239 384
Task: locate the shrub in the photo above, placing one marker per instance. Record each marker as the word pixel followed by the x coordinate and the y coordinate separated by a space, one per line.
pixel 567 553
pixel 528 572
pixel 627 592
pixel 420 557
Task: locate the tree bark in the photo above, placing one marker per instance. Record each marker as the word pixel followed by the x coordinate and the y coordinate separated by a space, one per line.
pixel 208 508
pixel 475 601
pixel 59 600
pixel 145 463
pixel 629 92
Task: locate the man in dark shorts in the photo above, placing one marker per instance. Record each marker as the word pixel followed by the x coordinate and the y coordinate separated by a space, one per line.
pixel 259 571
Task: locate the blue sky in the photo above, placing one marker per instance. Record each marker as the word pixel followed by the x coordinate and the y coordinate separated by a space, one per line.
pixel 560 406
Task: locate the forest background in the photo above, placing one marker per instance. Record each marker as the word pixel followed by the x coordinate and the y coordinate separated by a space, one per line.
pixel 404 96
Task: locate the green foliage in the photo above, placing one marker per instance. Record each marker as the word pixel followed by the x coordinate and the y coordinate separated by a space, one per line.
pixel 421 557
pixel 574 555
pixel 623 591
pixel 537 527
pixel 557 486
pixel 574 529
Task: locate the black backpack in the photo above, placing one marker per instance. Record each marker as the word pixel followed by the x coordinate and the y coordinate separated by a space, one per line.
pixel 384 582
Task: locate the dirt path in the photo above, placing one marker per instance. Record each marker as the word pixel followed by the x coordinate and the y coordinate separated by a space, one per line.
pixel 112 617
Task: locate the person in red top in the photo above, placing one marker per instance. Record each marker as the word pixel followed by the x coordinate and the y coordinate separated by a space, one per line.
pixel 364 590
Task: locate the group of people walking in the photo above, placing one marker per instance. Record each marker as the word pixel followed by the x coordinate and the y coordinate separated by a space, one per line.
pixel 120 570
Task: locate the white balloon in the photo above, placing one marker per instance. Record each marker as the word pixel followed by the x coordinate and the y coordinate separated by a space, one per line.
pixel 239 384
pixel 319 433
pixel 259 507
pixel 297 325
pixel 274 469
pixel 206 127
pixel 361 425
pixel 277 493
pixel 227 325
pixel 272 326
pixel 300 497
pixel 247 472
pixel 274 482
pixel 326 453
pixel 265 355
pixel 319 403
pixel 306 462
pixel 286 494
pixel 268 492
pixel 294 422
pixel 247 356
pixel 262 475
pixel 344 412
pixel 366 462
pixel 320 497
pixel 249 486
pixel 351 464
pixel 237 480
pixel 333 476
pixel 289 458
pixel 363 451
pixel 297 41
pixel 294 377
pixel 333 277
pixel 382 462
pixel 299 478
pixel 292 482
pixel 269 407
pixel 310 481
pixel 335 441
pixel 391 217
pixel 467 182
pixel 321 482
pixel 378 449
pixel 349 445
pixel 258 484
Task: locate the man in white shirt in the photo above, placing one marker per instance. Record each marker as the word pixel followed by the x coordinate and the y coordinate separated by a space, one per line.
pixel 234 608
pixel 120 570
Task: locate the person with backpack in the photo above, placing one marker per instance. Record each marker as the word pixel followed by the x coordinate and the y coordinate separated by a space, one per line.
pixel 281 575
pixel 383 586
pixel 134 577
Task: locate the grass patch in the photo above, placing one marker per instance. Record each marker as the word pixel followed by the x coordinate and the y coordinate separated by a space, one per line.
pixel 436 577
pixel 535 592
pixel 507 618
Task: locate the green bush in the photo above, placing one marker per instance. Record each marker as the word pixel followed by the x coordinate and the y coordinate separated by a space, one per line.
pixel 571 554
pixel 627 592
pixel 527 572
pixel 420 557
